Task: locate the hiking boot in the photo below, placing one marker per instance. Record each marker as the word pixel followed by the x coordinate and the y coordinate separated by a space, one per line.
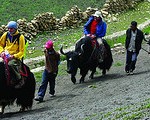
pixel 38 98
pixel 52 95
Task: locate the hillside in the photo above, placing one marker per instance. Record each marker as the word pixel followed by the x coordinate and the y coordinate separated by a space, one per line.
pixel 18 9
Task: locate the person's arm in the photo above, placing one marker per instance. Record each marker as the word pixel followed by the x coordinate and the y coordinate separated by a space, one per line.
pixel 2 42
pixel 102 33
pixel 86 28
pixel 20 54
pixel 58 58
pixel 127 38
pixel 142 37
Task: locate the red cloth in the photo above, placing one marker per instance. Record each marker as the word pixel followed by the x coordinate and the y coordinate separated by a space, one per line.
pixel 94 42
pixel 93 26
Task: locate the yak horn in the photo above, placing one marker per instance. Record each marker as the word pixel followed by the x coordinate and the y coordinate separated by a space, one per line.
pixel 61 51
pixel 82 50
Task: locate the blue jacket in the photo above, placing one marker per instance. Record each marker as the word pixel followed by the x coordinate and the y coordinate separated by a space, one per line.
pixel 100 30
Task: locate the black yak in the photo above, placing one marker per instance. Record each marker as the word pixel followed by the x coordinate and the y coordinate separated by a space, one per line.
pixel 86 57
pixel 9 94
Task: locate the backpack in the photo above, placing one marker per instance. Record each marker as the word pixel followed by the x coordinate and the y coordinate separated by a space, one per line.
pixel 26 43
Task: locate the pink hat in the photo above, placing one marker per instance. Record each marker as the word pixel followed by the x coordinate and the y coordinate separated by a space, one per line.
pixel 49 44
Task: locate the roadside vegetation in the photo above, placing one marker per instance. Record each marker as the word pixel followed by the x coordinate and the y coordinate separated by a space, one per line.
pixel 136 111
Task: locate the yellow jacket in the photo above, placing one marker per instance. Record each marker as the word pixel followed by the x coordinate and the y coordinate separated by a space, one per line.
pixel 13 47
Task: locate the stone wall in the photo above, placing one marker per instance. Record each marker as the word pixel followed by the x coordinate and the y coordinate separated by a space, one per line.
pixel 118 6
pixel 73 18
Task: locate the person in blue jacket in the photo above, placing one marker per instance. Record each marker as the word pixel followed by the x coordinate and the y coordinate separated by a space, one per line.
pixel 95 27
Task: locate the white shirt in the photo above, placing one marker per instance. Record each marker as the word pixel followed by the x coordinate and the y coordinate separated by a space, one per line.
pixel 132 41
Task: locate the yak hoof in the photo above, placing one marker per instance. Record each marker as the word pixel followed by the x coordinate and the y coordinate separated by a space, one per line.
pixel 104 72
pixel 1 110
pixel 81 81
pixel 1 113
pixel 73 79
pixel 91 77
pixel 22 109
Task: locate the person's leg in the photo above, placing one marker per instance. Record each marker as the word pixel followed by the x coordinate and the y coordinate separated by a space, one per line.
pixel 133 61
pixel 128 61
pixel 100 41
pixel 52 83
pixel 15 66
pixel 101 49
pixel 43 86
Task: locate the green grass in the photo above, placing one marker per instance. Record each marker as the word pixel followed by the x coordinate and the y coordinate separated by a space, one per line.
pixel 119 63
pixel 62 71
pixel 137 111
pixel 22 9
pixel 68 37
pixel 38 76
pixel 147 30
pixel 18 9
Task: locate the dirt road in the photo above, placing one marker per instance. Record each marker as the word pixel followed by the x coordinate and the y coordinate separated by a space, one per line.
pixel 102 94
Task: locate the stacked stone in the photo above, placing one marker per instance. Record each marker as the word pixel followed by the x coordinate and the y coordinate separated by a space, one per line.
pixel 117 6
pixel 26 28
pixel 89 11
pixel 118 48
pixel 45 22
pixel 3 28
pixel 71 19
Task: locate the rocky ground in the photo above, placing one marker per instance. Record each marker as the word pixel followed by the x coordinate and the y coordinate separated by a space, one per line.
pixel 99 95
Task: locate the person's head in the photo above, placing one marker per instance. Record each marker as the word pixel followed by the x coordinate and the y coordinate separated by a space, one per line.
pixel 49 45
pixel 97 15
pixel 133 25
pixel 12 27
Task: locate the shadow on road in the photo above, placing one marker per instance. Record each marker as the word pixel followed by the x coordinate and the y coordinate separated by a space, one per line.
pixel 16 114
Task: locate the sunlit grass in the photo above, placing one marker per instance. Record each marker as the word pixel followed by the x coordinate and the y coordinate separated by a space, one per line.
pixel 18 9
pixel 136 111
pixel 61 71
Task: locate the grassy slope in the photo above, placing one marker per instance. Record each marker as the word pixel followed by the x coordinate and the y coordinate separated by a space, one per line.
pixel 29 8
pixel 16 9
pixel 69 37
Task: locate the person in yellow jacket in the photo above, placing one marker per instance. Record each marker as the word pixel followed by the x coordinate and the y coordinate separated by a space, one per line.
pixel 11 48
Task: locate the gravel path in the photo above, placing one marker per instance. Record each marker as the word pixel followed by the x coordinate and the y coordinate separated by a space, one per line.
pixel 102 94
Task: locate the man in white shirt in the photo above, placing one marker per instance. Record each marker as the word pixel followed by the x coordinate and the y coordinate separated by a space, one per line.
pixel 134 38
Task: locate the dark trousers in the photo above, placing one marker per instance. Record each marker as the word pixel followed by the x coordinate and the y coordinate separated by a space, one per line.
pixel 47 78
pixel 15 67
pixel 131 58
